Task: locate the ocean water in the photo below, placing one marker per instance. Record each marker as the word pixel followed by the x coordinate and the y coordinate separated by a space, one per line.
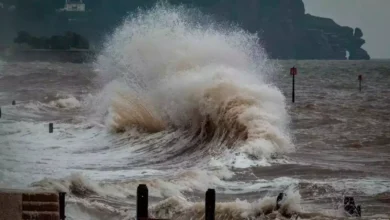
pixel 182 105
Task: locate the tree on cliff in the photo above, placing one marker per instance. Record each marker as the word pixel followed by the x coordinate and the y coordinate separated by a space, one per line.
pixel 68 41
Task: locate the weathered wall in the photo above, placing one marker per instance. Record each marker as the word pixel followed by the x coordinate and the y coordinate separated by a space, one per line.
pixel 10 206
pixel 25 205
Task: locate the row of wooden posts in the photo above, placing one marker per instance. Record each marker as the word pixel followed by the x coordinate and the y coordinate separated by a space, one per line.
pixel 142 204
pixel 51 125
pixel 143 214
pixel 294 71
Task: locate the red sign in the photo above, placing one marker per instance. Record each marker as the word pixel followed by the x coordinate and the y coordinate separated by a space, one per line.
pixel 293 71
pixel 360 77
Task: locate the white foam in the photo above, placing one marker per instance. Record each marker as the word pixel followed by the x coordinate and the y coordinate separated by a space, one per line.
pixel 67 103
pixel 368 186
pixel 171 60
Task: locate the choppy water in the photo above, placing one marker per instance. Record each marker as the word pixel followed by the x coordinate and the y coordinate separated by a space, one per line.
pixel 201 107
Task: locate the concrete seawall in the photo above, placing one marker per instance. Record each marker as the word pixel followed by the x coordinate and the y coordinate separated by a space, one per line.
pixel 29 205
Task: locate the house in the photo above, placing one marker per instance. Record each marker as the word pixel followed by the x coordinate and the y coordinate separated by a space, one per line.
pixel 74 6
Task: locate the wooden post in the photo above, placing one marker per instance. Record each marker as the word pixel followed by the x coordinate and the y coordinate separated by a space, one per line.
pixel 51 128
pixel 359 211
pixel 13 102
pixel 293 72
pixel 360 78
pixel 210 205
pixel 293 88
pixel 0 112
pixel 62 205
pixel 142 202
pixel 279 199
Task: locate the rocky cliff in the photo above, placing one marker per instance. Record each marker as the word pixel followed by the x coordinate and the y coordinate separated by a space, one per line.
pixel 285 30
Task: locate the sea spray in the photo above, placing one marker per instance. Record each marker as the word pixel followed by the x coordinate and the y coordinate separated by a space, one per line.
pixel 176 72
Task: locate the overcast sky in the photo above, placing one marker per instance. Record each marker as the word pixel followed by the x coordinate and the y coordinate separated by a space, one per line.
pixel 372 16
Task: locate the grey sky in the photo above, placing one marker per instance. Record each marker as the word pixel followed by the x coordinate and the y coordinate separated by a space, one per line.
pixel 372 16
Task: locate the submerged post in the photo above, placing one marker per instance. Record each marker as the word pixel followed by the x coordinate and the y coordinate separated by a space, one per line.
pixel 142 202
pixel 51 128
pixel 293 72
pixel 210 205
pixel 62 205
pixel 0 112
pixel 13 102
pixel 360 78
pixel 279 200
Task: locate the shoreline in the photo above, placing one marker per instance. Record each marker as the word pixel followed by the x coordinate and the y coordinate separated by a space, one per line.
pixel 87 56
pixel 29 55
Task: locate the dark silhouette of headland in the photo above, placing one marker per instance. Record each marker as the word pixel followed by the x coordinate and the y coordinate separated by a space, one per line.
pixel 286 31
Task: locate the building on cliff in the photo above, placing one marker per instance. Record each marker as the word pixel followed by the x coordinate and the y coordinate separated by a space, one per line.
pixel 74 5
pixel 74 11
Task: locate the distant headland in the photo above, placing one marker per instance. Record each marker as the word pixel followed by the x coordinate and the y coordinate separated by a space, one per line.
pixel 70 47
pixel 69 40
pixel 285 30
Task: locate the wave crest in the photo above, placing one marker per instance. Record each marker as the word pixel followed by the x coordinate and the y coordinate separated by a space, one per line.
pixel 179 72
pixel 132 112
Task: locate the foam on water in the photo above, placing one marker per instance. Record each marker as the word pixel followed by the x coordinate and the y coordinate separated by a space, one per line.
pixel 68 102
